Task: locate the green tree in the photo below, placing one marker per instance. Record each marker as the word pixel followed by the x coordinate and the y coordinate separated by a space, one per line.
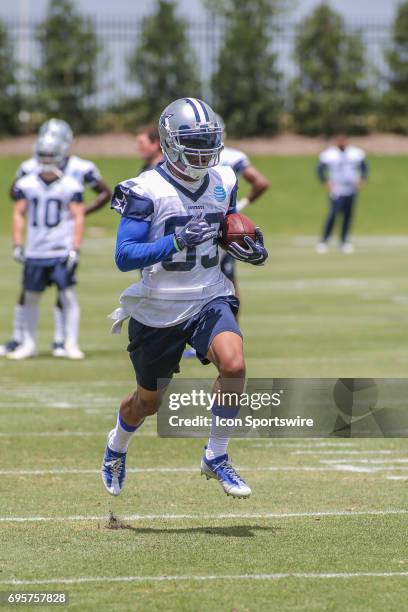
pixel 395 99
pixel 10 102
pixel 329 94
pixel 66 78
pixel 163 63
pixel 247 84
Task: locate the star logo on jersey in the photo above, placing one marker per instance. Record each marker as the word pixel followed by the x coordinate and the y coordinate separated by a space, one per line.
pixel 120 204
pixel 219 193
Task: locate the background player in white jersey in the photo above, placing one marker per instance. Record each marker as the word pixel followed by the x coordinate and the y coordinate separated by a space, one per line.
pixel 49 203
pixel 343 170
pixel 170 221
pixel 86 173
pixel 239 162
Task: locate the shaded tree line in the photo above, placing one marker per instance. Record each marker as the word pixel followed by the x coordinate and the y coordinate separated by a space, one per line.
pixel 329 93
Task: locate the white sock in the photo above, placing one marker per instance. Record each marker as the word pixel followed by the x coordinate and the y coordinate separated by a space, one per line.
pixel 59 325
pixel 120 437
pixel 220 434
pixel 18 323
pixel 71 315
pixel 31 310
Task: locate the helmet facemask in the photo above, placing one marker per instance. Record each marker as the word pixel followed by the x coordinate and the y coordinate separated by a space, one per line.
pixel 196 150
pixel 59 129
pixel 49 153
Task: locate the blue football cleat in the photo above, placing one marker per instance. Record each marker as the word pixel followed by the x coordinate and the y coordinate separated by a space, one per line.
pixel 9 347
pixel 113 471
pixel 221 469
pixel 189 353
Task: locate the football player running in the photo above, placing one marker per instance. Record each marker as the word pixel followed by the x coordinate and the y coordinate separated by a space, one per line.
pixel 50 204
pixel 85 172
pixel 170 217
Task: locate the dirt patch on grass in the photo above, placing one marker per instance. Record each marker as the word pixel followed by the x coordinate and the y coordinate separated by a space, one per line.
pixel 123 145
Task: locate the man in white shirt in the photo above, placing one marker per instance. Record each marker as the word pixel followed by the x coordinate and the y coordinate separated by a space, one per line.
pixel 343 169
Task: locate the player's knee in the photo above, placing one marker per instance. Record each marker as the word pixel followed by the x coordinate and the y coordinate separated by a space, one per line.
pixel 148 406
pixel 233 367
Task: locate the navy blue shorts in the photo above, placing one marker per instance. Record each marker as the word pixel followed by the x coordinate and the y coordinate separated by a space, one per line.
pixel 41 273
pixel 228 265
pixel 155 352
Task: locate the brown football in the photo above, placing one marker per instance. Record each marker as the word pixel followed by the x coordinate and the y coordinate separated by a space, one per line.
pixel 234 228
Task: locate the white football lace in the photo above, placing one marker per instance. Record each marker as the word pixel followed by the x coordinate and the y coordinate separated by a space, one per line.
pixel 115 466
pixel 230 472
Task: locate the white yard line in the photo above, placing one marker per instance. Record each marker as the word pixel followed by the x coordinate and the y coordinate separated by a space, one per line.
pixel 195 469
pixel 397 477
pixel 221 516
pixel 302 445
pixel 368 461
pixel 62 434
pixel 346 452
pixel 350 467
pixel 208 577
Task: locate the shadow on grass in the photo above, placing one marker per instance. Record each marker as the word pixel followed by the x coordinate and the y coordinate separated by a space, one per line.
pixel 233 531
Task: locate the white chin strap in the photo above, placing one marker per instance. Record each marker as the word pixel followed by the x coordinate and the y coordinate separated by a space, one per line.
pixel 194 173
pixel 50 168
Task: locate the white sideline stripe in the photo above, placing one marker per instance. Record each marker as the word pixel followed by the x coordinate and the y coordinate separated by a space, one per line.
pixel 208 577
pixel 221 516
pixel 397 477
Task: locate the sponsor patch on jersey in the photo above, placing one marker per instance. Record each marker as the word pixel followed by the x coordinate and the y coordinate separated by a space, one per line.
pixel 219 193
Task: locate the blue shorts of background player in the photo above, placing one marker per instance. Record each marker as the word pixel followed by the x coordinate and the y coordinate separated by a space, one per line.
pixel 39 274
pixel 228 265
pixel 156 352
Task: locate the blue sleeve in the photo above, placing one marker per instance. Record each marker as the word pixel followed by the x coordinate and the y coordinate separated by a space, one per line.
pixel 240 165
pixel 129 204
pixel 77 197
pixel 232 207
pixel 18 194
pixel 364 169
pixel 132 250
pixel 321 171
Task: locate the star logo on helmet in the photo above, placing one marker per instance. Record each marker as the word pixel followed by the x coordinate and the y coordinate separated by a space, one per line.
pixel 164 117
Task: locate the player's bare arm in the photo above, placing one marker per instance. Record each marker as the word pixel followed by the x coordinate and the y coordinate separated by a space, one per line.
pixel 77 213
pixel 104 195
pixel 18 226
pixel 259 183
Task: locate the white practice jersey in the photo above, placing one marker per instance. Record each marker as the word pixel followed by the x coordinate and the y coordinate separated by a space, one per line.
pixel 50 226
pixel 175 289
pixel 344 169
pixel 235 159
pixel 82 170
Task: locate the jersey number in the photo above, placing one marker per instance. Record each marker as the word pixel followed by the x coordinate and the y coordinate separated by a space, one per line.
pixel 52 216
pixel 191 253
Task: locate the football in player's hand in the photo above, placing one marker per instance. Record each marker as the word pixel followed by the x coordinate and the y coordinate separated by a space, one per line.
pixel 234 228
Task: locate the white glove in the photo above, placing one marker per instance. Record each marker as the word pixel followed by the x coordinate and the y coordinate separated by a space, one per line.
pixel 18 254
pixel 242 203
pixel 72 259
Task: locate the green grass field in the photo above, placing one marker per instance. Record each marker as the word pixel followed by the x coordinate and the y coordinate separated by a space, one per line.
pixel 326 526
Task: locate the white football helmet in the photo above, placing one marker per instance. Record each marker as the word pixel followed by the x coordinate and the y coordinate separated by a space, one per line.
pixel 190 137
pixel 49 151
pixel 60 129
